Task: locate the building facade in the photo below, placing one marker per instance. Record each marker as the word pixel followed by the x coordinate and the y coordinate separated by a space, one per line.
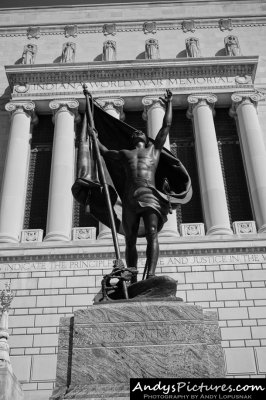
pixel 212 56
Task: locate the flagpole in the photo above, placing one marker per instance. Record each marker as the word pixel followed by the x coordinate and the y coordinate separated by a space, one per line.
pixel 92 132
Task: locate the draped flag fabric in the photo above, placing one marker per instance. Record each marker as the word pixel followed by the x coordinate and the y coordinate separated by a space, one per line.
pixel 116 135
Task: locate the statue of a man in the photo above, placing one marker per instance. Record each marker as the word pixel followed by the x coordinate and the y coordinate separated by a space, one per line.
pixel 140 198
pixel 147 179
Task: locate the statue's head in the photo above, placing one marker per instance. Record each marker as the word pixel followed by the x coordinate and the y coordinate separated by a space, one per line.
pixel 231 39
pixel 139 136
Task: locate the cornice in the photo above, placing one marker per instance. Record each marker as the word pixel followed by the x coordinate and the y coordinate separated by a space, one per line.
pixel 131 26
pixel 254 244
pixel 130 70
pixel 117 3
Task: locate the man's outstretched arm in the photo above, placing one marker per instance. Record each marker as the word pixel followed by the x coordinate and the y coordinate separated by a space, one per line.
pixel 167 121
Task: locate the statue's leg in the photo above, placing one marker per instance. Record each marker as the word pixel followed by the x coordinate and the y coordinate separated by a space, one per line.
pixel 150 219
pixel 130 222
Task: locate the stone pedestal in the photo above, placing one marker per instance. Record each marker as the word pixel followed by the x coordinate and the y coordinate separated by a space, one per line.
pixel 10 388
pixel 102 347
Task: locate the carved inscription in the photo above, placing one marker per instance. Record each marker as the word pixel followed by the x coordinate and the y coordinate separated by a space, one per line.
pixel 32 266
pixel 138 334
pixel 131 84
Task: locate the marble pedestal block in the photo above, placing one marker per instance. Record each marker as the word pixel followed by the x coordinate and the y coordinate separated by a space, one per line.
pixel 105 345
pixel 10 388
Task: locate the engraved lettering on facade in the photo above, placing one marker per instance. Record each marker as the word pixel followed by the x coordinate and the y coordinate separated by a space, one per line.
pixel 105 263
pixel 140 83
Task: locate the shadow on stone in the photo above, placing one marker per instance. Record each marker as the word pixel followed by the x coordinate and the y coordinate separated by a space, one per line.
pixel 220 53
pixel 182 54
pixel 141 56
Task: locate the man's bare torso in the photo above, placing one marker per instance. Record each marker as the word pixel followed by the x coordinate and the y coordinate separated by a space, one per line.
pixel 140 165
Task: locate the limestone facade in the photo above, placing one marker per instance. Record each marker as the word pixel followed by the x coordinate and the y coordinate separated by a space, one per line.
pixel 218 260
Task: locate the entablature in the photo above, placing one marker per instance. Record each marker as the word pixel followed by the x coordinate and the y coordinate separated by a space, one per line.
pixel 134 26
pixel 133 79
pixel 169 14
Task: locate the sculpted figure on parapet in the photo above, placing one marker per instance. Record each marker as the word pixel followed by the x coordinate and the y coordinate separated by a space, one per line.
pixel 109 50
pixel 232 47
pixel 29 54
pixel 68 53
pixel 152 49
pixel 192 47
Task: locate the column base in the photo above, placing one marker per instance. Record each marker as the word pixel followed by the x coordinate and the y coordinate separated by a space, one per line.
pixel 219 230
pixel 104 235
pixel 170 228
pixel 7 238
pixel 262 229
pixel 108 236
pixel 168 233
pixel 56 237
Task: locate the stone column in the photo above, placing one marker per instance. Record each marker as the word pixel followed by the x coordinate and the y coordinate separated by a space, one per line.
pixel 60 203
pixel 254 152
pixel 114 107
pixel 16 171
pixel 154 112
pixel 210 172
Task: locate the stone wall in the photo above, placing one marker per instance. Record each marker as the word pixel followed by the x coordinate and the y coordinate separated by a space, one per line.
pixel 53 282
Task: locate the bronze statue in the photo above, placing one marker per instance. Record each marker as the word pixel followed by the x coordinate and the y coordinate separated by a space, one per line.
pixel 142 175
pixel 140 197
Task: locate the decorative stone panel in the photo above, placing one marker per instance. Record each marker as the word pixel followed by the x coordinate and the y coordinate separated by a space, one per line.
pixel 192 229
pixel 244 227
pixel 33 32
pixel 84 233
pixel 109 29
pixel 225 24
pixel 149 27
pixel 71 30
pixel 31 235
pixel 188 26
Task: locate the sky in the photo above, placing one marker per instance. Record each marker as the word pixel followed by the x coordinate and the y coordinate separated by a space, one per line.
pixel 36 3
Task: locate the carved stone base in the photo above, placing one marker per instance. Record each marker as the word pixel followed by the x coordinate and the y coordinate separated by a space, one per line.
pixel 10 388
pixel 102 347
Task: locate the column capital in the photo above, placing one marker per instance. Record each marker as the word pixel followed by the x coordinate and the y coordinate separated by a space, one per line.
pixel 22 107
pixel 70 105
pixel 151 102
pixel 112 103
pixel 200 99
pixel 239 98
